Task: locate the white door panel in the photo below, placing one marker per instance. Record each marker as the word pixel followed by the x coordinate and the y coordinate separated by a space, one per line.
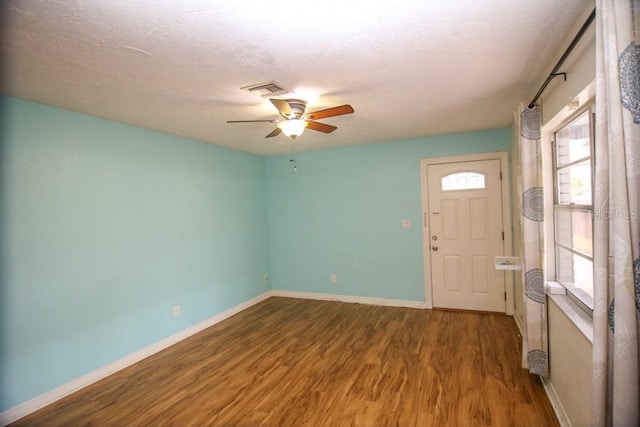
pixel 465 221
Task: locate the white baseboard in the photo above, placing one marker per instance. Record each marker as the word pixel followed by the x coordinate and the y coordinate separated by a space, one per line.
pixel 350 299
pixel 58 393
pixel 562 416
pixel 64 390
pixel 558 409
pixel 519 323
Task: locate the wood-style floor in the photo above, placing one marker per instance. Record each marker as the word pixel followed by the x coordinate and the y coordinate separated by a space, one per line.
pixel 289 362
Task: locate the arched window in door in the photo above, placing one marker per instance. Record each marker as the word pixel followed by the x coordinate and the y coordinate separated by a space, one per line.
pixel 463 181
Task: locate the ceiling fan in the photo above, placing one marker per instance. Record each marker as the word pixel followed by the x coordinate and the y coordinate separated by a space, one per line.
pixel 296 121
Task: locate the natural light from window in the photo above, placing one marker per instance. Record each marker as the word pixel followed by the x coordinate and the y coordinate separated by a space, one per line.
pixel 573 207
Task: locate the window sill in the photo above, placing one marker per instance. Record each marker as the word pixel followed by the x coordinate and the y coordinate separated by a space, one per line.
pixel 576 315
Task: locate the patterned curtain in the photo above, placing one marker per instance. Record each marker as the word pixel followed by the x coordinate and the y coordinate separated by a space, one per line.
pixel 534 343
pixel 616 313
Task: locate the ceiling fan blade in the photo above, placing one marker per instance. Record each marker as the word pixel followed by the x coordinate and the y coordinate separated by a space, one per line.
pixel 329 112
pixel 321 127
pixel 283 107
pixel 251 121
pixel 274 132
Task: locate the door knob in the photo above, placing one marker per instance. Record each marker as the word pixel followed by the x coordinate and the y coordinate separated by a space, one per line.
pixel 435 248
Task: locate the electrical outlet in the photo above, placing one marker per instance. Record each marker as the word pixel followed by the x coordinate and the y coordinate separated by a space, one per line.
pixel 334 279
pixel 176 311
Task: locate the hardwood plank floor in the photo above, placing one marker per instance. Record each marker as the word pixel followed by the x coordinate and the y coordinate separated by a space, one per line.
pixel 289 362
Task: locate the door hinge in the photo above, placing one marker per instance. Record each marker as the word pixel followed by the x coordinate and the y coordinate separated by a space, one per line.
pixel 505 295
pixel 500 175
pixel 503 235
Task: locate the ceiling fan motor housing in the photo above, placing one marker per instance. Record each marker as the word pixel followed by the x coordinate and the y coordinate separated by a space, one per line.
pixel 298 107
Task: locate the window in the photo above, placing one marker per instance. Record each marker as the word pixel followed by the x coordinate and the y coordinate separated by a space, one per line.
pixel 463 181
pixel 573 207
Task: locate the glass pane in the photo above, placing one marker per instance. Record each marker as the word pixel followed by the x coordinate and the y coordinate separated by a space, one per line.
pixel 463 181
pixel 572 141
pixel 576 273
pixel 574 183
pixel 574 229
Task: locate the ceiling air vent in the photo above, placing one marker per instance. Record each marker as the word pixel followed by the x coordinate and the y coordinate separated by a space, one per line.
pixel 267 89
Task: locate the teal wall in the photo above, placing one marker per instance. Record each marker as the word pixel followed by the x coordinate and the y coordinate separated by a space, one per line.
pixel 341 214
pixel 104 227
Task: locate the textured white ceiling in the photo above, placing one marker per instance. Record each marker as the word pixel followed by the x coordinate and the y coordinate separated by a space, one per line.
pixel 409 68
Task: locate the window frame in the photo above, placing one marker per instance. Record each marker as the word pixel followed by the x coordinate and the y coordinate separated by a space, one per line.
pixel 572 207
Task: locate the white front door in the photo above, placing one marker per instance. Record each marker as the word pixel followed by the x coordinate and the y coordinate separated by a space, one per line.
pixel 465 233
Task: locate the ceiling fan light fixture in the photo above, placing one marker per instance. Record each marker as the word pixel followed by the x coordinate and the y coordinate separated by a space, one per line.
pixel 293 128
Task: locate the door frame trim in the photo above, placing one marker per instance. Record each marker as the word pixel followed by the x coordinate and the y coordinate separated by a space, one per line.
pixel 507 245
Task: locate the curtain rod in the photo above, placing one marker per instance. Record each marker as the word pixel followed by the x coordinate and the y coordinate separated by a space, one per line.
pixel 563 58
